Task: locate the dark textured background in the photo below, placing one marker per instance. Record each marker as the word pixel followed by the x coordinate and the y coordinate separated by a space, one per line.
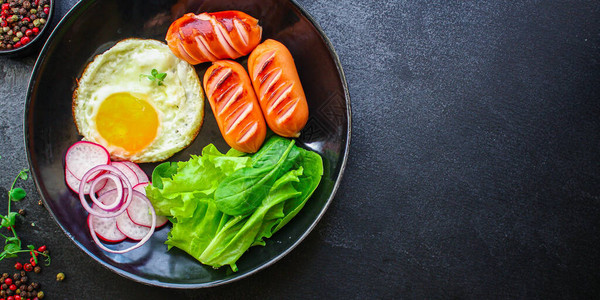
pixel 474 167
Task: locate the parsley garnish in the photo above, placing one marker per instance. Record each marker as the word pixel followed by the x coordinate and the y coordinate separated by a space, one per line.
pixel 155 76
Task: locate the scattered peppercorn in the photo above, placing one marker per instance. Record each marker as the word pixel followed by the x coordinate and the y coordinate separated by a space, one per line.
pixel 40 202
pixel 60 276
pixel 22 211
pixel 18 266
pixel 40 295
pixel 37 269
pixel 27 267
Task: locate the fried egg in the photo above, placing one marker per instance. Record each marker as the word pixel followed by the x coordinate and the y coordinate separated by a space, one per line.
pixel 119 105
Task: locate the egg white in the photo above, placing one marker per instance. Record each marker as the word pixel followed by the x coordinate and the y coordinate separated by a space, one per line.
pixel 179 103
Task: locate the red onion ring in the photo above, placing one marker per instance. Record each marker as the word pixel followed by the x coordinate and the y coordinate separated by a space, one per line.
pixel 140 243
pixel 121 176
pixel 115 204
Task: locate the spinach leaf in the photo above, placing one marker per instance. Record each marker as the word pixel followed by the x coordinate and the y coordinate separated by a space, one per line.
pixel 244 190
pixel 241 232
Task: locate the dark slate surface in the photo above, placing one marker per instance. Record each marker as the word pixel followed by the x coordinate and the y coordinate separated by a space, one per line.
pixel 474 168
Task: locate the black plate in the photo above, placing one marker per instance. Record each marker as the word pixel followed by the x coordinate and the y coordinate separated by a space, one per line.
pixel 92 27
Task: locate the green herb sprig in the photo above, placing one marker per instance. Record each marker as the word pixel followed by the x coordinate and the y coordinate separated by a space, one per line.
pixel 12 244
pixel 155 77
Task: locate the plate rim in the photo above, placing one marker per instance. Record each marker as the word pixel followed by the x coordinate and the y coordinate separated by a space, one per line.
pixel 136 278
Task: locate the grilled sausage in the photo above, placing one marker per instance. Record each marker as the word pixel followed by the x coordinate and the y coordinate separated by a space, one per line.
pixel 234 105
pixel 213 36
pixel 278 88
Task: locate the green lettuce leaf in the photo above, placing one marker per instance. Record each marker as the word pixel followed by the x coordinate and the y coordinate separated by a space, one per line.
pixel 180 189
pixel 186 192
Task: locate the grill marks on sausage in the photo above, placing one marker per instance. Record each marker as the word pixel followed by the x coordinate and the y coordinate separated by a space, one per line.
pixel 213 36
pixel 203 46
pixel 242 31
pixel 226 86
pixel 264 60
pixel 273 90
pixel 222 35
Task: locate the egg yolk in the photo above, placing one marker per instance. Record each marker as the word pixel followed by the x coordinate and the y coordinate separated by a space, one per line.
pixel 126 121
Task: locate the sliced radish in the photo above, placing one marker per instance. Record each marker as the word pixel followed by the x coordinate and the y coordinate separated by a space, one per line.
pixel 130 174
pixel 73 183
pixel 109 186
pixel 82 156
pixel 141 175
pixel 130 229
pixel 140 243
pixel 141 187
pixel 140 213
pixel 105 228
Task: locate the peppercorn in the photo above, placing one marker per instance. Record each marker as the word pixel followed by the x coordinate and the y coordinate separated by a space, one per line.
pixel 30 288
pixel 35 285
pixel 2 293
pixel 9 292
pixel 40 202
pixel 23 273
pixel 18 283
pixel 18 291
pixel 18 266
pixel 27 267
pixel 4 286
pixel 40 295
pixel 18 16
pixel 60 276
pixel 16 276
pixel 23 279
pixel 12 287
pixel 8 281
pixel 37 269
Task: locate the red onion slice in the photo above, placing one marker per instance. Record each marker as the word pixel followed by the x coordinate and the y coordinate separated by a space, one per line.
pixel 118 173
pixel 141 242
pixel 118 200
